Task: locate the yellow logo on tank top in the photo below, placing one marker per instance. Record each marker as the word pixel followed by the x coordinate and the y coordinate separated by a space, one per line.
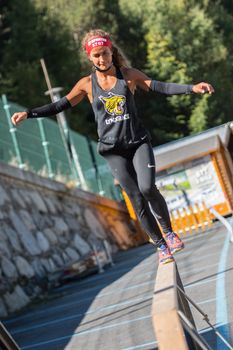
pixel 115 106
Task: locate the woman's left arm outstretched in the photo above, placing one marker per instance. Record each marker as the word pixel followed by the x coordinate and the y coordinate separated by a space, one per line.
pixel 144 82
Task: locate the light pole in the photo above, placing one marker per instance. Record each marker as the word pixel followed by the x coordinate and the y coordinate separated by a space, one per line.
pixel 64 128
pixel 73 158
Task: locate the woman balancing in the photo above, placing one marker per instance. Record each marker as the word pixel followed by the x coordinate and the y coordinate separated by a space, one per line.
pixel 123 140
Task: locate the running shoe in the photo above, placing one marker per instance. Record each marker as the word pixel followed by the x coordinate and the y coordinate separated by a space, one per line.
pixel 165 255
pixel 174 243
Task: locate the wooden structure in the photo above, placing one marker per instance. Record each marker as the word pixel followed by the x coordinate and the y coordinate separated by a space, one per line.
pixel 204 162
pixel 198 168
pixel 195 218
pixel 191 219
pixel 168 303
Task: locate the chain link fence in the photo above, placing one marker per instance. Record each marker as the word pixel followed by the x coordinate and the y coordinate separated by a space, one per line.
pixel 39 145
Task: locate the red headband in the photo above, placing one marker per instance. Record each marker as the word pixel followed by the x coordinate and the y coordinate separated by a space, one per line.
pixel 97 41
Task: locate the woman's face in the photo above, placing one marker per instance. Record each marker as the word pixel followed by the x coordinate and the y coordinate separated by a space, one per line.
pixel 101 57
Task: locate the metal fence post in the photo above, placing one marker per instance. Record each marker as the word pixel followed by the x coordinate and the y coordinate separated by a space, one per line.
pixel 223 221
pixel 97 259
pixel 45 144
pixel 65 133
pixel 108 252
pixel 13 131
pixel 61 118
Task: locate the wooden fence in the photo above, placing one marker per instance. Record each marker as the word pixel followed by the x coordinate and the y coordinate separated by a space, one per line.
pixel 194 218
pixel 191 219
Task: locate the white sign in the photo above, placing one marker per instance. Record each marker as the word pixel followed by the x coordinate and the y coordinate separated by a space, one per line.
pixel 196 182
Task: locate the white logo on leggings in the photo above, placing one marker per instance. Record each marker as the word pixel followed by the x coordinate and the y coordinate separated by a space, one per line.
pixel 151 166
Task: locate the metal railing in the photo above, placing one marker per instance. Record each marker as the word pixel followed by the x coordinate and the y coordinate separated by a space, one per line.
pixel 6 340
pixel 173 322
pixel 224 222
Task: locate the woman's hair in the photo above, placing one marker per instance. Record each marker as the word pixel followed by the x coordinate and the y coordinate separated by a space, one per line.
pixel 119 59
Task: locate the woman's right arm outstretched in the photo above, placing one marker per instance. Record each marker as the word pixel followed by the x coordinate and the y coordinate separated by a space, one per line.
pixel 79 91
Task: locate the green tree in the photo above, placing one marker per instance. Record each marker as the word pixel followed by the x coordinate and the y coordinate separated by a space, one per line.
pixel 181 41
pixel 184 47
pixel 34 35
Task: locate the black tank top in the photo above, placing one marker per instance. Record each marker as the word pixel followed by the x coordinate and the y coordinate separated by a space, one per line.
pixel 115 112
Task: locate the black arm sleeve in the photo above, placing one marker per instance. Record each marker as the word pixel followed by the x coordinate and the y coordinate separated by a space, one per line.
pixel 170 88
pixel 49 109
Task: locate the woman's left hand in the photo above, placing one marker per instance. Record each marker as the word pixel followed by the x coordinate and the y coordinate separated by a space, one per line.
pixel 203 88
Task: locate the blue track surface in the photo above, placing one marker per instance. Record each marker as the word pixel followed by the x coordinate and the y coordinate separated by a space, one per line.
pixel 112 310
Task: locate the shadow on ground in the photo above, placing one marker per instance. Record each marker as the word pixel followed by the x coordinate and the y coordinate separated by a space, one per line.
pixel 213 340
pixel 51 324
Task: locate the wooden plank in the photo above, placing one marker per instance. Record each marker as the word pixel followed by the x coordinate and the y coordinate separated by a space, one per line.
pixel 169 331
pixel 167 325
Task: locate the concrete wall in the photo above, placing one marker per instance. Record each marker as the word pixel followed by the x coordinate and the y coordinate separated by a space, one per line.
pixel 44 226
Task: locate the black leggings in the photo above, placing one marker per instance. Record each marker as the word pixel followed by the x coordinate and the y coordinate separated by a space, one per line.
pixel 135 170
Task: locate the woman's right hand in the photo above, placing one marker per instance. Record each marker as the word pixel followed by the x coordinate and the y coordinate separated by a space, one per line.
pixel 18 117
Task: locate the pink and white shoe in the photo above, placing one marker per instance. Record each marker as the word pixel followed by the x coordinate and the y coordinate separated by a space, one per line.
pixel 165 255
pixel 174 242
